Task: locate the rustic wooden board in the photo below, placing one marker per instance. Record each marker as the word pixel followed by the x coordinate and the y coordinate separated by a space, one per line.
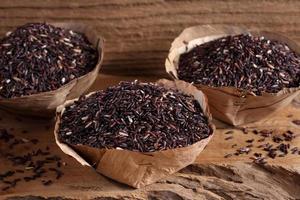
pixel 139 32
pixel 211 177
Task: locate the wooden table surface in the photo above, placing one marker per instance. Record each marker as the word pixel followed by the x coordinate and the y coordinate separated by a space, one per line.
pixel 138 35
pixel 211 177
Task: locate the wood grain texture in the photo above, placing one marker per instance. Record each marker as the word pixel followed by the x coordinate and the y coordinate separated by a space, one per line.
pixel 139 32
pixel 212 177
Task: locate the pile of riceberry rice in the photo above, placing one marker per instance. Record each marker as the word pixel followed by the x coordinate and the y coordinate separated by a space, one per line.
pixel 136 116
pixel 39 57
pixel 251 63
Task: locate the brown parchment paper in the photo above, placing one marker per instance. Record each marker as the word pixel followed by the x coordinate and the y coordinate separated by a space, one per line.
pixel 45 103
pixel 229 104
pixel 135 168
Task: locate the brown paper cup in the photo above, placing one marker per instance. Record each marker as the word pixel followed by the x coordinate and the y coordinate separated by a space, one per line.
pixel 229 104
pixel 45 103
pixel 135 168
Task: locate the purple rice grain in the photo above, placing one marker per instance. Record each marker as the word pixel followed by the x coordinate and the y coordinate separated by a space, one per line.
pixel 272 153
pixel 229 138
pixel 228 155
pixel 5 188
pixel 228 132
pixel 250 140
pixel 47 183
pixel 266 133
pixel 261 140
pixel 277 139
pixel 294 150
pixel 297 122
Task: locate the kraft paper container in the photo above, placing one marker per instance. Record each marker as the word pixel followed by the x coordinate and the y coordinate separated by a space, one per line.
pixel 44 104
pixel 230 104
pixel 138 169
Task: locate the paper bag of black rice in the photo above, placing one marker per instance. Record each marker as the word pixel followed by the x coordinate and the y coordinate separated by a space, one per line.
pixel 246 75
pixel 136 133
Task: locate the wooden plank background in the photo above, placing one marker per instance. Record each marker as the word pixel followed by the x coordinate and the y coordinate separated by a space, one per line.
pixel 138 33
